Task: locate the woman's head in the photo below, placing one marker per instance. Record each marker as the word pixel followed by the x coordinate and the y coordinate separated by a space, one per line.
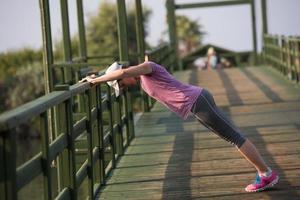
pixel 129 81
pixel 124 82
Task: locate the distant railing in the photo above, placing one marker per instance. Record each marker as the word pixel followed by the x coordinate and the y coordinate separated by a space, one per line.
pixel 283 53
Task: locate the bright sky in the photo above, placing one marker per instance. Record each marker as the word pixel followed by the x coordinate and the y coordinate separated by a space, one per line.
pixel 229 27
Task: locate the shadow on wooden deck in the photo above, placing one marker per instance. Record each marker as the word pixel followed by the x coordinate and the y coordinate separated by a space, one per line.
pixel 175 159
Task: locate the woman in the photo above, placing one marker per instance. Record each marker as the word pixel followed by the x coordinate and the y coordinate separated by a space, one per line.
pixel 184 99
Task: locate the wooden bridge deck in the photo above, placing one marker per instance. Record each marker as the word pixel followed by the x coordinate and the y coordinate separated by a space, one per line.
pixel 174 159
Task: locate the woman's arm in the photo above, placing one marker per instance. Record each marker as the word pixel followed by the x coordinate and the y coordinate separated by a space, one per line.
pixel 132 71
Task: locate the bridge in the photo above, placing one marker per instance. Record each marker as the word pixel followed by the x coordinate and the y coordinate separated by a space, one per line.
pixel 94 146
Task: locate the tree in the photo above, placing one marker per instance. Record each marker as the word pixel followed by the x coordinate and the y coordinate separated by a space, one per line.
pixel 28 84
pixel 189 33
pixel 102 32
pixel 11 61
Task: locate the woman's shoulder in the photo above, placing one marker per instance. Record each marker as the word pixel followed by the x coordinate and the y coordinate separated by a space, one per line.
pixel 154 66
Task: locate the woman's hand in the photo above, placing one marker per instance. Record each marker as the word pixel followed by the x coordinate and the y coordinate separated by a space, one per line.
pixel 91 79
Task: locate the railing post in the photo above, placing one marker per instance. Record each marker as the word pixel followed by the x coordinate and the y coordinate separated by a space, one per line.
pixel 139 30
pixel 170 4
pixel 47 59
pixel 71 148
pixel 289 58
pixel 254 33
pixel 81 31
pixel 2 168
pixel 140 42
pixel 123 43
pixel 47 45
pixel 122 30
pixel 129 115
pixel 264 16
pixel 66 40
pixel 297 58
pixel 90 138
pixel 45 156
pixel 82 45
pixel 283 55
pixel 8 165
pixel 118 121
pixel 111 121
pixel 100 142
pixel 145 97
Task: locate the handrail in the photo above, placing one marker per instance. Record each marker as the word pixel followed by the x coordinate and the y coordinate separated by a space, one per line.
pixel 65 139
pixel 283 53
pixel 15 117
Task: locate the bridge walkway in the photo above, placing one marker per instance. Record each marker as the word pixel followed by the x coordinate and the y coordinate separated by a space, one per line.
pixel 175 159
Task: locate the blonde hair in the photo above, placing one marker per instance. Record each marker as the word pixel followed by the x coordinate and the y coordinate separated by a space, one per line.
pixel 210 51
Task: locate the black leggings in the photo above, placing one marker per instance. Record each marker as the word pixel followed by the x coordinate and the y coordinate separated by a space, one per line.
pixel 208 114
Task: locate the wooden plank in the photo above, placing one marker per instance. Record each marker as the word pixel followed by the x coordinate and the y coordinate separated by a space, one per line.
pixel 175 159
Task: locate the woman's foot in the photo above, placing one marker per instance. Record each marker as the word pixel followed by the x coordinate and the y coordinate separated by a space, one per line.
pixel 263 182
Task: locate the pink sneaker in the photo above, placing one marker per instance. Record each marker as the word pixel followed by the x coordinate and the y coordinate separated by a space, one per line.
pixel 261 183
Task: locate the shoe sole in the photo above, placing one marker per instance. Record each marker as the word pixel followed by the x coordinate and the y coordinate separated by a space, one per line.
pixel 266 187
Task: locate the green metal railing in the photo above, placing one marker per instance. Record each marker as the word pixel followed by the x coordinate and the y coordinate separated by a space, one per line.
pixel 283 53
pixel 112 137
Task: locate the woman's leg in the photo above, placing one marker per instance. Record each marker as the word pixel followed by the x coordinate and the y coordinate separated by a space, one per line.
pixel 249 151
pixel 206 111
pixel 213 118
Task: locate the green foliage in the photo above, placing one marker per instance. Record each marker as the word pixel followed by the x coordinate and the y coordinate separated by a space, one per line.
pixel 3 93
pixel 11 61
pixel 27 85
pixel 102 31
pixel 20 77
pixel 58 52
pixel 189 33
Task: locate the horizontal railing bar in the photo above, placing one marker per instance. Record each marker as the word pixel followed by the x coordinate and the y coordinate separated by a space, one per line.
pixel 124 119
pixel 81 173
pixel 79 59
pixel 79 88
pixel 29 170
pixel 96 153
pixel 104 105
pixel 65 194
pixel 78 116
pixel 96 189
pixel 115 127
pixel 79 127
pixel 103 56
pixel 159 48
pixel 57 146
pixel 94 114
pixel 212 4
pixel 31 109
pixel 106 139
pixel 108 169
pixel 71 64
